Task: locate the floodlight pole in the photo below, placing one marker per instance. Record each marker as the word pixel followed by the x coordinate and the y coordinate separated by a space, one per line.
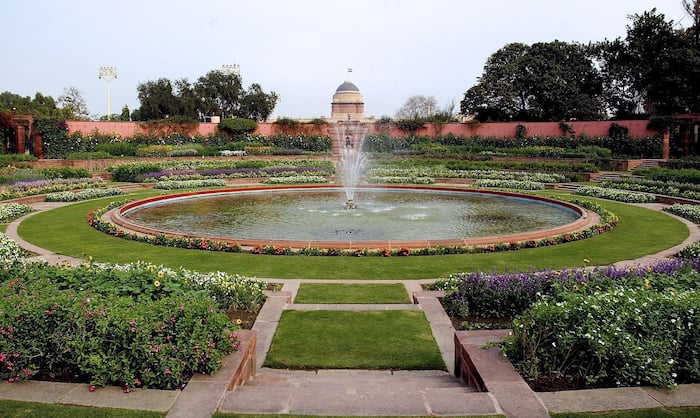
pixel 230 69
pixel 107 74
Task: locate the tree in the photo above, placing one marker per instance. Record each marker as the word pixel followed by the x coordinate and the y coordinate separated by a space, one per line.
pixel 564 84
pixel 125 116
pixel 256 104
pixel 503 91
pixel 220 93
pixel 40 107
pixel 157 99
pixel 545 81
pixel 417 107
pixel 73 104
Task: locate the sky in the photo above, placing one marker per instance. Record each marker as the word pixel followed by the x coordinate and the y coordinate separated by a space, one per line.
pixel 300 49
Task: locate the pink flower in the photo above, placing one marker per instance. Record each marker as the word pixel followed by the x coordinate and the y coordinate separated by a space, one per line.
pixel 167 371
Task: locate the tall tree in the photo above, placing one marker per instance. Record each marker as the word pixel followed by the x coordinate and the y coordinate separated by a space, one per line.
pixel 73 104
pixel 256 104
pixel 220 93
pixel 545 81
pixel 417 107
pixel 503 91
pixel 157 99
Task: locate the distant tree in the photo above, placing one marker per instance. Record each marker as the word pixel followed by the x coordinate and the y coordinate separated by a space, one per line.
pixel 417 107
pixel 157 99
pixel 73 104
pixel 188 103
pixel 40 107
pixel 220 93
pixel 125 116
pixel 256 104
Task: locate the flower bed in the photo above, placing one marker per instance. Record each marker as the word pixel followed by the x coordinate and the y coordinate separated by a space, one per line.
pixel 400 180
pixel 85 194
pixel 625 336
pixel 617 195
pixel 443 172
pixel 11 211
pixel 296 180
pixel 30 188
pixel 690 212
pixel 666 188
pixel 188 184
pixel 488 295
pixel 134 325
pixel 509 184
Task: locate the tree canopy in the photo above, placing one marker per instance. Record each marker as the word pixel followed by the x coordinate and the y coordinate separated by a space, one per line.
pixel 217 93
pixel 545 81
pixel 654 70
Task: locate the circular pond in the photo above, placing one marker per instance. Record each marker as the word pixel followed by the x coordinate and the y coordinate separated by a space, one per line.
pixel 316 216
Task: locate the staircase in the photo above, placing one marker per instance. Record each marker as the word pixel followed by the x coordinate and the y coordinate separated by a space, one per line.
pixel 646 164
pixel 358 392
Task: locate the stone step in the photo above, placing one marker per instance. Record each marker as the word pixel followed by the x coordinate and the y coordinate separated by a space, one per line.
pixel 310 378
pixel 356 392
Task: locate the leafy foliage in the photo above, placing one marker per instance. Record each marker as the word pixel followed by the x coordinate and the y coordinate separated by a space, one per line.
pixel 236 126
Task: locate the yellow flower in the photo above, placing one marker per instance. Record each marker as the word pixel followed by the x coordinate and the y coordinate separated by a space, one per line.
pixel 161 274
pixel 587 261
pixel 646 282
pixel 239 321
pixel 156 283
pixel 575 287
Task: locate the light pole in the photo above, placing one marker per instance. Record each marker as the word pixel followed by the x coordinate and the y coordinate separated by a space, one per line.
pixel 230 69
pixel 108 74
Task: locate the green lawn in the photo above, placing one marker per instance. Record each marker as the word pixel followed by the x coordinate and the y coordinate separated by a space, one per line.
pixel 351 293
pixel 16 409
pixel 640 232
pixel 354 340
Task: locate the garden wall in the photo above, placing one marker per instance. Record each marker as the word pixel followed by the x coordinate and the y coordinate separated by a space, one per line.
pixel 636 128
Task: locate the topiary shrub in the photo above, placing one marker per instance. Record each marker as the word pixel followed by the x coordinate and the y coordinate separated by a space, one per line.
pixel 237 126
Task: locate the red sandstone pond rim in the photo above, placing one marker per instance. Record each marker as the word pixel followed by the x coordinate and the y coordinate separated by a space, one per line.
pixel 585 220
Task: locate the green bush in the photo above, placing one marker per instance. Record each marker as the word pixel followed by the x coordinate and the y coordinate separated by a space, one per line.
pixel 117 149
pixel 13 158
pixel 620 337
pixel 65 173
pixel 663 174
pixel 88 155
pixel 237 126
pixel 129 172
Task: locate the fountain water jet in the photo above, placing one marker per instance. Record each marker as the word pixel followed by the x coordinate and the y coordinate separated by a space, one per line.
pixel 351 136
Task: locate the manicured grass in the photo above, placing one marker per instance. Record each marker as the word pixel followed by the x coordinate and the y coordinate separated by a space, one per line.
pixel 351 293
pixel 16 409
pixel 638 413
pixel 220 415
pixel 640 232
pixel 399 340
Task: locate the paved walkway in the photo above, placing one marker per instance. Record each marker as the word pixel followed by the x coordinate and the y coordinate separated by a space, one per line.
pixel 359 392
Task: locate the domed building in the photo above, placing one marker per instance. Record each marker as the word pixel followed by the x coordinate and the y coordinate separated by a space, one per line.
pixel 347 103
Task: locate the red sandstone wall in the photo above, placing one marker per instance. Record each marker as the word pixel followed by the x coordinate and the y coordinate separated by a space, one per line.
pixel 637 128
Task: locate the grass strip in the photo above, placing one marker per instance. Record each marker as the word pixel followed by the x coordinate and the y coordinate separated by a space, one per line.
pixel 17 409
pixel 397 340
pixel 351 293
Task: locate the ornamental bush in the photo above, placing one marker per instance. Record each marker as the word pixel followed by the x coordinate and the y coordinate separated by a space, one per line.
pixel 134 325
pixel 690 212
pixel 620 337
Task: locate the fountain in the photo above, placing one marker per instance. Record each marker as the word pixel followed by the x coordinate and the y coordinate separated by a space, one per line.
pixel 351 136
